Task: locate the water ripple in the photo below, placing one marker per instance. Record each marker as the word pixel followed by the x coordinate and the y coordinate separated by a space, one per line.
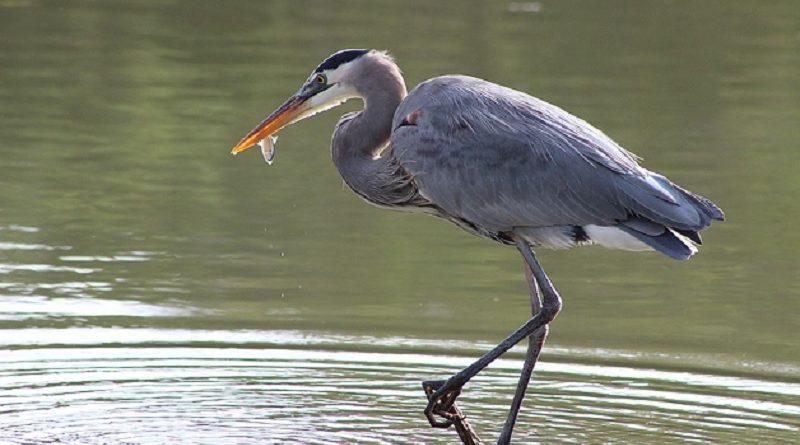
pixel 124 389
pixel 19 228
pixel 9 268
pixel 26 246
pixel 103 258
pixel 39 307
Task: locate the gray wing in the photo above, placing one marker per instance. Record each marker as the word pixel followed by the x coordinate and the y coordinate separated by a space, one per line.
pixel 500 158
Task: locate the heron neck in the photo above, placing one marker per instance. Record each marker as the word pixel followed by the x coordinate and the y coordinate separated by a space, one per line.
pixel 359 139
pixel 366 132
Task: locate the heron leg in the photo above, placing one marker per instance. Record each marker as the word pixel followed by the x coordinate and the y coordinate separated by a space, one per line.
pixel 444 396
pixel 535 343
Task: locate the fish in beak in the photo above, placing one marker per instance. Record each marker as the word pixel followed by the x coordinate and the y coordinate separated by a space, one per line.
pixel 314 97
pixel 264 133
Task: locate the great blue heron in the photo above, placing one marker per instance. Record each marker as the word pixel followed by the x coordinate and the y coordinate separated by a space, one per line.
pixel 498 163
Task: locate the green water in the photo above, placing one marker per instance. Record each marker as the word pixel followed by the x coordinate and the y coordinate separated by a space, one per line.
pixel 153 289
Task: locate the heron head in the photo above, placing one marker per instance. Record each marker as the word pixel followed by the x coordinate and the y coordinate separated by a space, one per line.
pixel 329 85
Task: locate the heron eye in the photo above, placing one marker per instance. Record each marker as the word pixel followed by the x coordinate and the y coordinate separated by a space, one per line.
pixel 320 79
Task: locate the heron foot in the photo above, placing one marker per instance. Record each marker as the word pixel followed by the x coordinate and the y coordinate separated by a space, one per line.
pixel 442 396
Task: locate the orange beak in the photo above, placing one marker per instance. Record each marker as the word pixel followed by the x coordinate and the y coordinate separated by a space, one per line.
pixel 283 116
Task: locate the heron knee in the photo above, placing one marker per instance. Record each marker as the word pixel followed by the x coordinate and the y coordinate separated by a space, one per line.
pixel 551 305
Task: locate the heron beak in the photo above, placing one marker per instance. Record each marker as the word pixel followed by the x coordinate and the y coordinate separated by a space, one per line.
pixel 283 116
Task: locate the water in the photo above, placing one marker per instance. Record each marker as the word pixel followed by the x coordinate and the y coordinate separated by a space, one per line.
pixel 155 290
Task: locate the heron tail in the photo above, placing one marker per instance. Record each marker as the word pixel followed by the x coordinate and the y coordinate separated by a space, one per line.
pixel 657 199
pixel 662 239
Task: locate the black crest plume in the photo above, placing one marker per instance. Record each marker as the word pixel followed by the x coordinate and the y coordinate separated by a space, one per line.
pixel 337 59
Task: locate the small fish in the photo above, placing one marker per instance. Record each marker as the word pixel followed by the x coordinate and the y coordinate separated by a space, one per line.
pixel 268 148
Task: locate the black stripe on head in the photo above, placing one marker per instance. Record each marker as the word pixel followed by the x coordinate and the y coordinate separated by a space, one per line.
pixel 337 59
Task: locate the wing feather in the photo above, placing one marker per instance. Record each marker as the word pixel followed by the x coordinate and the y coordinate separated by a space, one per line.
pixel 500 158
